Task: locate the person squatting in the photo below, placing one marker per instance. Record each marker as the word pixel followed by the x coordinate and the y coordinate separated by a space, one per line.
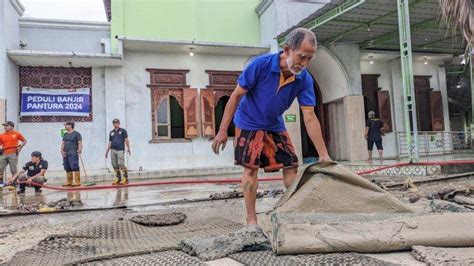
pixel 33 172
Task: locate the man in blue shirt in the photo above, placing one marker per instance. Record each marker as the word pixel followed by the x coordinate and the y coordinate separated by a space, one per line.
pixel 266 88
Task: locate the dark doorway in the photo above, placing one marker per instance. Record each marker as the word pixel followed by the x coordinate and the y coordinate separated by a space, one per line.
pixel 370 90
pixel 219 113
pixel 177 119
pixel 309 151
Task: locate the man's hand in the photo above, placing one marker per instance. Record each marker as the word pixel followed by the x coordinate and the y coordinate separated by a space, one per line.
pixel 79 151
pixel 18 149
pixel 325 159
pixel 63 153
pixel 106 154
pixel 29 180
pixel 230 108
pixel 129 152
pixel 220 139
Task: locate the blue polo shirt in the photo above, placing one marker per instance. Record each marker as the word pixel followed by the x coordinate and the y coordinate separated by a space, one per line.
pixel 269 95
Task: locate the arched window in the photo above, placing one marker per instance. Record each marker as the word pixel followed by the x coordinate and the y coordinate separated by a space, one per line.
pixel 170 119
pixel 174 104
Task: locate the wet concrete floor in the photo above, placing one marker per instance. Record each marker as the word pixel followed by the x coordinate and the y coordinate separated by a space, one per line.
pixel 132 196
pixel 22 232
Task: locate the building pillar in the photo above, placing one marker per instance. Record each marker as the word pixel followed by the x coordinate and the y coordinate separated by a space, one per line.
pixel 356 148
pixel 407 79
pixel 471 54
pixel 114 96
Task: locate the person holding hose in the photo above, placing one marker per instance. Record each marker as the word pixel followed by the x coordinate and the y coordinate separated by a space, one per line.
pixel 71 148
pixel 33 171
pixel 266 88
pixel 118 139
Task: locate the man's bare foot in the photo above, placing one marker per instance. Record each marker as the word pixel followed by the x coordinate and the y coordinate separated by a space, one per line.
pixel 252 221
pixel 369 161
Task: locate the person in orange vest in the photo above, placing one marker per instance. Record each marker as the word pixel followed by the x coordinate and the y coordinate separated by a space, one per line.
pixel 11 147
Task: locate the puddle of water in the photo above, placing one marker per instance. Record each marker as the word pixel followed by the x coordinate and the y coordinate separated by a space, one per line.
pixel 122 196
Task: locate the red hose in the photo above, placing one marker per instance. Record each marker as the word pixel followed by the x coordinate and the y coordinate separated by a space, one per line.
pixel 236 180
pixel 157 183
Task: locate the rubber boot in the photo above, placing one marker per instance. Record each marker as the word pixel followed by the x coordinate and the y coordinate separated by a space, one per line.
pixel 77 199
pixel 118 177
pixel 124 180
pixel 22 188
pixel 77 179
pixel 69 176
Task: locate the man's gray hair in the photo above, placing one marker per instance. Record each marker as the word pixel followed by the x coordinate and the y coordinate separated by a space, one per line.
pixel 297 36
pixel 371 114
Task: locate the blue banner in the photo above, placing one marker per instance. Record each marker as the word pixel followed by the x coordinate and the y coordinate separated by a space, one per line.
pixel 55 102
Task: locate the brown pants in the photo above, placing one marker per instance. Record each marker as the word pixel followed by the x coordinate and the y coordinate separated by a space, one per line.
pixel 118 159
pixel 8 159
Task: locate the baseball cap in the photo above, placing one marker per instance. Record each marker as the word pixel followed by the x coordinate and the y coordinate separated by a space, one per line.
pixel 36 154
pixel 116 120
pixel 9 123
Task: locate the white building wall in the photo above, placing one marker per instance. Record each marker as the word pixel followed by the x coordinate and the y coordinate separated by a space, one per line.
pixel 57 36
pixel 8 69
pixel 3 56
pixel 63 36
pixel 269 27
pixel 276 16
pixel 46 137
pixel 178 153
pixel 349 56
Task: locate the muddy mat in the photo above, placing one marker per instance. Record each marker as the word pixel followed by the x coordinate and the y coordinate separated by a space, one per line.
pixel 171 257
pixel 212 248
pixel 117 239
pixel 159 219
pixel 259 258
pixel 313 233
pixel 444 256
pixel 330 187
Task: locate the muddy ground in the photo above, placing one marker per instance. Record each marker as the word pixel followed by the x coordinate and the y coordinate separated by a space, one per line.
pixel 22 232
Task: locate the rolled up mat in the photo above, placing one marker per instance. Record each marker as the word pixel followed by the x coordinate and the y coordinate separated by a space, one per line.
pixel 330 187
pixel 300 233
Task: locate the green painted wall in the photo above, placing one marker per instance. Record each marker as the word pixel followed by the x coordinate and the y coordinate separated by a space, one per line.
pixel 224 21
